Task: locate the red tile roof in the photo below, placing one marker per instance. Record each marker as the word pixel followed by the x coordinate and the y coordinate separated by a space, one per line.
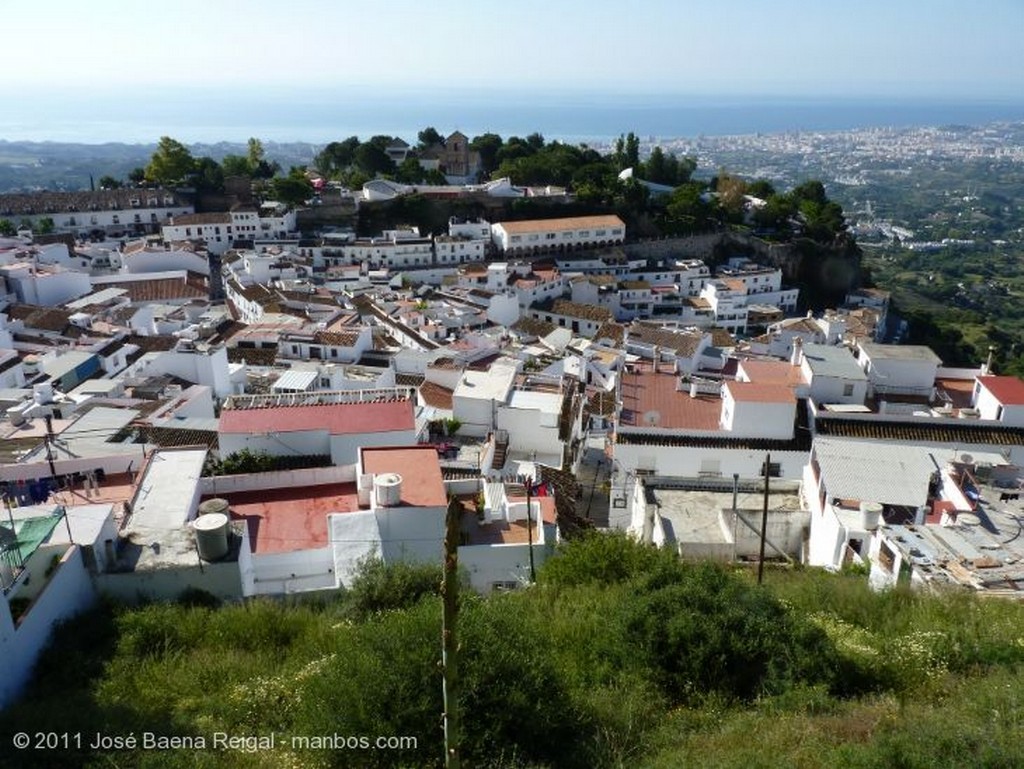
pixel 422 485
pixel 1008 390
pixel 337 419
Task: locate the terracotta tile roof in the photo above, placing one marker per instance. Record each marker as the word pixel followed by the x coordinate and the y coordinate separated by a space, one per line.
pixel 435 395
pixel 208 218
pixel 583 311
pixel 192 286
pixel 971 432
pixel 12 204
pixel 721 338
pixel 684 343
pixel 559 225
pixel 409 380
pixel 337 338
pixel 253 356
pixel 533 327
pixel 650 399
pixel 40 318
pixel 615 332
pixel 1008 390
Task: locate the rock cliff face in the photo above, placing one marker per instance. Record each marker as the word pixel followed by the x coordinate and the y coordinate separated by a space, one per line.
pixel 824 274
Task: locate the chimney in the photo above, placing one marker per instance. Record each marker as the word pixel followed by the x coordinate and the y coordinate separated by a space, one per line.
pixel 693 389
pixel 988 363
pixel 797 357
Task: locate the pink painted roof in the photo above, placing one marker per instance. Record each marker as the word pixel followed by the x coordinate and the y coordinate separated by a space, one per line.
pixel 1008 390
pixel 287 519
pixel 760 393
pixel 337 419
pixel 422 485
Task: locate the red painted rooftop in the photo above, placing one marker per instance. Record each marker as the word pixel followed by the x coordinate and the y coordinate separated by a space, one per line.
pixel 293 518
pixel 422 485
pixel 754 392
pixel 650 399
pixel 773 372
pixel 1008 390
pixel 337 419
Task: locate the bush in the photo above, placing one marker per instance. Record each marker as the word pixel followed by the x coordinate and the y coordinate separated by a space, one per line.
pixel 704 630
pixel 378 587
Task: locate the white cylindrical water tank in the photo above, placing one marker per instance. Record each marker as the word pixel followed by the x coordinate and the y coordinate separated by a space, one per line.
pixel 387 489
pixel 870 515
pixel 211 536
pixel 42 393
pixel 215 505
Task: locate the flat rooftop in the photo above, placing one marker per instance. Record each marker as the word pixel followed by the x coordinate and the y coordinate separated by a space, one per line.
pixel 694 514
pixel 294 518
pixel 422 484
pixel 165 492
pixel 650 399
pixel 334 418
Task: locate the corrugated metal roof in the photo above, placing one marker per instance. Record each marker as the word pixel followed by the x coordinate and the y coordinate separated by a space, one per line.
pixel 295 381
pixel 872 471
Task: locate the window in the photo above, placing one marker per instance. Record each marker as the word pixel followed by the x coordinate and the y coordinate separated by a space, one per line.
pixel 847 390
pixel 774 469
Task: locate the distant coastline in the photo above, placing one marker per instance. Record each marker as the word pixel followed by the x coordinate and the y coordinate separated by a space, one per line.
pixel 310 118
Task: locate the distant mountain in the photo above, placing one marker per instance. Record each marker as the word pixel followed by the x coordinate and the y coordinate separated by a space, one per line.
pixel 26 166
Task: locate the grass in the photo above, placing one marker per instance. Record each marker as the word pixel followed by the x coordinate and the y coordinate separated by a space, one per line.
pixel 581 670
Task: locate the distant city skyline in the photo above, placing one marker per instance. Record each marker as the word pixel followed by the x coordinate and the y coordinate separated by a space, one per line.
pixel 932 48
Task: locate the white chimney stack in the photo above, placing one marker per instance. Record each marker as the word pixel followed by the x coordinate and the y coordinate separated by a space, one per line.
pixel 797 357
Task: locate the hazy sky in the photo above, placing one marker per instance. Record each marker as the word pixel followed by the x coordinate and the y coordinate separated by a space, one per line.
pixel 952 48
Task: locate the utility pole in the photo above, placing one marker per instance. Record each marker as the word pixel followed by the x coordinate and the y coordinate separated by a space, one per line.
pixel 529 526
pixel 764 518
pixel 53 471
pixel 449 637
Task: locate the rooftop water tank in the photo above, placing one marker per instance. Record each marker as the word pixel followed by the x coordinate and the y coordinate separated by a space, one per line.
pixel 215 505
pixel 387 489
pixel 870 515
pixel 211 536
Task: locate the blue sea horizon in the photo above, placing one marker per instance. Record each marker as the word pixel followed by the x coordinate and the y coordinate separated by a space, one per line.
pixel 320 117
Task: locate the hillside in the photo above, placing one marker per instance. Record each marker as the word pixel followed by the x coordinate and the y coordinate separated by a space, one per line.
pixel 619 656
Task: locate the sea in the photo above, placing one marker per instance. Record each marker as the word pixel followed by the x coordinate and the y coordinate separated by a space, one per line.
pixel 324 115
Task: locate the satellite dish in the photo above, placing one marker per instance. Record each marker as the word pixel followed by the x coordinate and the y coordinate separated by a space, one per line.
pixel 967 459
pixel 652 418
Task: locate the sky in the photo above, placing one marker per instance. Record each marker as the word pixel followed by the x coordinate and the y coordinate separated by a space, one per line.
pixel 813 48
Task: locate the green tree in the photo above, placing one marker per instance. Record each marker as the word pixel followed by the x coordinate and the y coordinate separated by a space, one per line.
pixel 44 226
pixel 371 159
pixel 410 172
pixel 336 157
pixel 207 175
pixel 632 150
pixel 293 189
pixel 109 183
pixel 487 145
pixel 655 170
pixel 7 228
pixel 171 163
pixel 236 165
pixel 137 175
pixel 429 136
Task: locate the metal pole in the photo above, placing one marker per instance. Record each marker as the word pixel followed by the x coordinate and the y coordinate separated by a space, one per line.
pixel 764 518
pixel 449 638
